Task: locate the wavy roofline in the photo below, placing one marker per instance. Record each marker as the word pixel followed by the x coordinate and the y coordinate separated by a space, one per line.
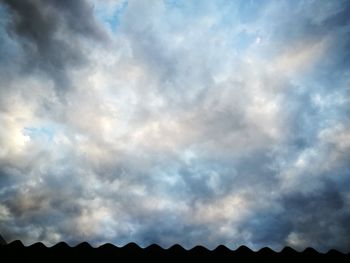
pixel 154 246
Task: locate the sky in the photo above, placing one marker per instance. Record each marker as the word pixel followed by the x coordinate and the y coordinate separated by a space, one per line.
pixel 176 121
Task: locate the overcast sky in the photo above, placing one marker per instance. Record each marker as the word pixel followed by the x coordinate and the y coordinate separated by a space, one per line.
pixel 175 121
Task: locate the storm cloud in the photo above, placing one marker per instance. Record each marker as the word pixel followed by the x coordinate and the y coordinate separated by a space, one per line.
pixel 190 122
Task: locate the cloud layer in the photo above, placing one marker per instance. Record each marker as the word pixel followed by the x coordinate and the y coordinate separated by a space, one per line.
pixel 190 122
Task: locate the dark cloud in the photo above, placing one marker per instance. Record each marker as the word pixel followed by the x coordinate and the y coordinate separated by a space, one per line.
pixel 319 218
pixel 49 33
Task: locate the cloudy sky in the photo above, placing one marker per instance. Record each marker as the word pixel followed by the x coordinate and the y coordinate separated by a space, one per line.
pixel 175 121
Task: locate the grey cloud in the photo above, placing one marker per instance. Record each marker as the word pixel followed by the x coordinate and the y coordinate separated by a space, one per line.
pixel 48 34
pixel 320 218
pixel 317 219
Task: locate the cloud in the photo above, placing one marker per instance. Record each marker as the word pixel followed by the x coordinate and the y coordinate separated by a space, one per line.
pixel 175 122
pixel 48 34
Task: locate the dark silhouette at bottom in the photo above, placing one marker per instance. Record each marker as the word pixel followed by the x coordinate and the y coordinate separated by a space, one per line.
pixel 84 251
